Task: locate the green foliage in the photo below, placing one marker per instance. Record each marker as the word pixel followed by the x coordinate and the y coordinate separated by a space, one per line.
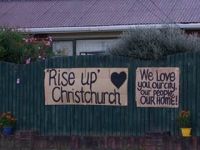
pixel 11 46
pixel 7 120
pixel 15 47
pixel 154 43
pixel 184 119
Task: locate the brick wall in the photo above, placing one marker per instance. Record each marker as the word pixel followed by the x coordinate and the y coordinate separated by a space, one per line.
pixel 33 141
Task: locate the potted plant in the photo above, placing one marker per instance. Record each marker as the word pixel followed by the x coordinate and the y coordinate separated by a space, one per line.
pixel 7 123
pixel 184 121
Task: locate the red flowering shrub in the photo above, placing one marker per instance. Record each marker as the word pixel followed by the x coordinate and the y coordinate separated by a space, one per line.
pixel 16 47
pixel 7 120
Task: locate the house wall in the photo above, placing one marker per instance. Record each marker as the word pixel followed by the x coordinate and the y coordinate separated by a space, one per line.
pixel 82 43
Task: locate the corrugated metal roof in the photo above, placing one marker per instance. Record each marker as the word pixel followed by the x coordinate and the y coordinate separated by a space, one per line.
pixel 85 13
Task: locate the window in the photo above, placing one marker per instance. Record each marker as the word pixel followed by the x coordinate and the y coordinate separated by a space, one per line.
pixel 63 48
pixel 85 47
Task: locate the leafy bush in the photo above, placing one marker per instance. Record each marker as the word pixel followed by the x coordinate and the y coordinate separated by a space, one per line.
pixel 154 43
pixel 16 47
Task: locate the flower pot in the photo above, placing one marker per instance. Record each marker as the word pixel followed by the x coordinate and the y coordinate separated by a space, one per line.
pixel 7 130
pixel 186 132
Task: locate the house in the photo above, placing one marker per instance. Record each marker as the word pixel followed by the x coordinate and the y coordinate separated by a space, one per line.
pixel 80 27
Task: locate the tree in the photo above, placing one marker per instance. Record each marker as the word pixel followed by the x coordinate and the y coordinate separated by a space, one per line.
pixel 154 43
pixel 16 47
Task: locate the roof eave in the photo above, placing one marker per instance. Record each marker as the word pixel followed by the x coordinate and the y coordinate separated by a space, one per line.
pixel 190 26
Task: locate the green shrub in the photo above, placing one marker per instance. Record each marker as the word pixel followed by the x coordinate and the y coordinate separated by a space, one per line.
pixel 17 47
pixel 154 43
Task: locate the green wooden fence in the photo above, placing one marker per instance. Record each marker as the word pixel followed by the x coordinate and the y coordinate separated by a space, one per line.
pixel 26 100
